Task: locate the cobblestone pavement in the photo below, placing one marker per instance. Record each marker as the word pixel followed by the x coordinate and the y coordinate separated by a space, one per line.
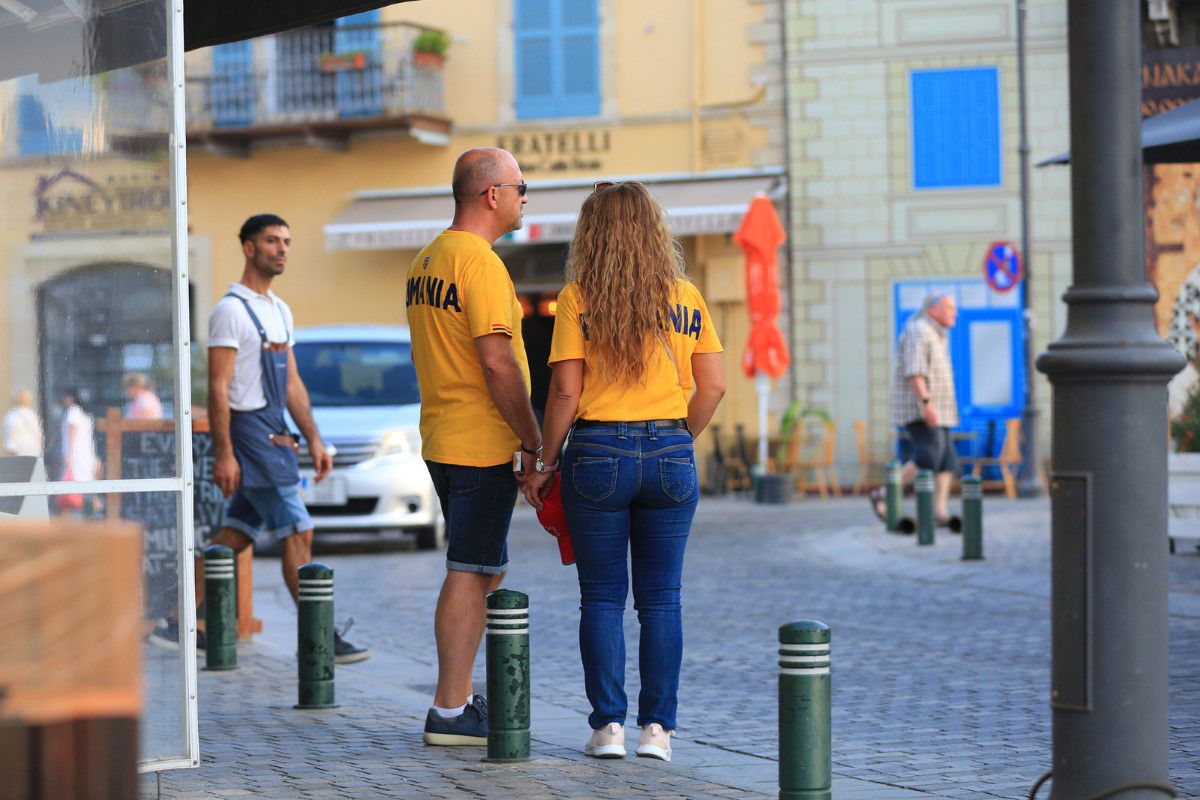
pixel 935 690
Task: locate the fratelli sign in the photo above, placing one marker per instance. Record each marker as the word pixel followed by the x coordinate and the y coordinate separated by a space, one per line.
pixel 69 202
pixel 562 151
pixel 1170 78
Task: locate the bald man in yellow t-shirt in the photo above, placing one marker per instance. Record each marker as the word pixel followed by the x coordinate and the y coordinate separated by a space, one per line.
pixel 475 413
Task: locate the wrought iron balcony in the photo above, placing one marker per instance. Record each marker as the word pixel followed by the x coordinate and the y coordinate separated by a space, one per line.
pixel 322 84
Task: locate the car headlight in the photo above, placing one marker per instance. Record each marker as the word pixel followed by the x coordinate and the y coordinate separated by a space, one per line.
pixel 402 442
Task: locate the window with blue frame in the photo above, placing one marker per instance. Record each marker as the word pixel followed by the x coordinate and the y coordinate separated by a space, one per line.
pixel 557 46
pixel 955 127
pixel 45 113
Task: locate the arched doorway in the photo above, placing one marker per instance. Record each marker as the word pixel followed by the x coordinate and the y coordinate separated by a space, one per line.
pixel 95 324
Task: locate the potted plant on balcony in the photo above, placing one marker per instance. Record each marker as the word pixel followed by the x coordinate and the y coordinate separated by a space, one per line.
pixel 429 48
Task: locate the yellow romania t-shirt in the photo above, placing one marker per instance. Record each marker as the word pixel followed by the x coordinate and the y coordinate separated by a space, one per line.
pixel 665 391
pixel 458 290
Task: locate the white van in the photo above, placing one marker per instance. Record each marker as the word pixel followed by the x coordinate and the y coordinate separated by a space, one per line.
pixel 363 388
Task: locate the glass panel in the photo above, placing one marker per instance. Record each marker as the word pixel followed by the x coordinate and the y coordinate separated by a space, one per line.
pixel 85 212
pixel 991 363
pixel 162 728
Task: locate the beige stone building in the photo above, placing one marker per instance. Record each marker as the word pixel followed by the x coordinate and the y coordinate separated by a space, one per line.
pixel 904 166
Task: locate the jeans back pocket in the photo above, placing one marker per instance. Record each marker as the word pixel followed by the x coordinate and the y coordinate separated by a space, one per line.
pixel 594 477
pixel 678 477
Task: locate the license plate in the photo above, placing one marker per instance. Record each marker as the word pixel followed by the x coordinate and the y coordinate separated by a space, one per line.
pixel 329 492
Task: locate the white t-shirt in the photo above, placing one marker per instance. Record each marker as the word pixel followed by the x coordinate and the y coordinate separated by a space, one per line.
pixel 78 461
pixel 230 326
pixel 22 432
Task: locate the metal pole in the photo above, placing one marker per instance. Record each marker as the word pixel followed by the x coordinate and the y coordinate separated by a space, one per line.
pixel 1028 485
pixel 972 518
pixel 895 495
pixel 220 608
pixel 1109 481
pixel 923 487
pixel 805 712
pixel 314 637
pixel 508 676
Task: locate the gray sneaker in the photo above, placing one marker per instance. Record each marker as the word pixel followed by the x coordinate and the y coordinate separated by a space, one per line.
pixel 468 728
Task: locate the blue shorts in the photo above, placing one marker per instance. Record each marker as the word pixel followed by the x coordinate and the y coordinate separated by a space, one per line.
pixel 267 514
pixel 477 504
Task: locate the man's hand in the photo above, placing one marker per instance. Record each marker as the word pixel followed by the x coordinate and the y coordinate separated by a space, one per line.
pixel 537 485
pixel 322 461
pixel 227 474
pixel 929 414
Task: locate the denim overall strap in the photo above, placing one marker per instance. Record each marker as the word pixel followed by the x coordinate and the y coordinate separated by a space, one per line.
pixel 274 365
pixel 264 463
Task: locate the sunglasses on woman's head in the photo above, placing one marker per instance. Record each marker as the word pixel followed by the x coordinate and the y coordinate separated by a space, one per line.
pixel 599 185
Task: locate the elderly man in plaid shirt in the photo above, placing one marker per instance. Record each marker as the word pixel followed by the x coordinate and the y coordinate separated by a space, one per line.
pixel 923 400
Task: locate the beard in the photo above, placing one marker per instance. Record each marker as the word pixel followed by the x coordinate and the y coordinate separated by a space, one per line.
pixel 268 266
pixel 517 223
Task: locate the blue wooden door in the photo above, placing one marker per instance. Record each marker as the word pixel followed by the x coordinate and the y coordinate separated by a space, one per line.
pixel 232 89
pixel 360 91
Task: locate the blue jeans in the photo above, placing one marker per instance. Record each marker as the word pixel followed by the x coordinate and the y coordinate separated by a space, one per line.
pixel 630 490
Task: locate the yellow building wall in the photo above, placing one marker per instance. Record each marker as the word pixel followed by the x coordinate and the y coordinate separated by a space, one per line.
pixel 682 82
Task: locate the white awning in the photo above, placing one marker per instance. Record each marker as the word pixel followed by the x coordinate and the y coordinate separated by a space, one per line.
pixel 409 219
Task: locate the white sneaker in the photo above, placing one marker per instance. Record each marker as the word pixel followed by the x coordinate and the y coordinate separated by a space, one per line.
pixel 655 742
pixel 608 742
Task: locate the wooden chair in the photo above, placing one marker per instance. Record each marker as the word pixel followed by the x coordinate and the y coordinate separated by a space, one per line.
pixel 820 465
pixel 866 462
pixel 1008 462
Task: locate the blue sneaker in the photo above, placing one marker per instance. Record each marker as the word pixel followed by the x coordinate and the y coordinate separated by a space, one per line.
pixel 468 728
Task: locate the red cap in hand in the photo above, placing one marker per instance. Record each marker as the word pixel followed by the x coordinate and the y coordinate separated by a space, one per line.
pixel 554 520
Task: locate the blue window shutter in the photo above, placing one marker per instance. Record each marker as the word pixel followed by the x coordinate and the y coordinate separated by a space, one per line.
pixel 955 127
pixel 232 91
pixel 360 92
pixel 557 58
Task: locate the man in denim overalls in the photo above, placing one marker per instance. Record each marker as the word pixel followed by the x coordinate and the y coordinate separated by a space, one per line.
pixel 252 379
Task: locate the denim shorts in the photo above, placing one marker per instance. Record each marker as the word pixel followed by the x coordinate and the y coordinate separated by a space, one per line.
pixel 267 514
pixel 932 447
pixel 477 504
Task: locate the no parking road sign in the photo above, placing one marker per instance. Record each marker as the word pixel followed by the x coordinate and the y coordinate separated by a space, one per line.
pixel 1002 267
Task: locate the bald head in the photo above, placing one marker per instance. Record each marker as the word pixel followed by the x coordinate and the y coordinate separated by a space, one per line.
pixel 477 170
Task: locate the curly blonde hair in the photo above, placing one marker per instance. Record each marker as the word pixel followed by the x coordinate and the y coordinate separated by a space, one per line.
pixel 627 265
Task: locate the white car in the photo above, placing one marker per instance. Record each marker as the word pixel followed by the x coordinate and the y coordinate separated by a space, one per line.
pixel 363 388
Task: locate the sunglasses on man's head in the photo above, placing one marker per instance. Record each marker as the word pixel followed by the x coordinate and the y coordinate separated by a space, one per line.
pixel 521 187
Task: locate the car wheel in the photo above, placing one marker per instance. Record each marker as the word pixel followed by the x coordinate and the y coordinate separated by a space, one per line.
pixel 432 537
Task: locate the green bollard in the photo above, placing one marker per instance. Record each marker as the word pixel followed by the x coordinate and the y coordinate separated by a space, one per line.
pixel 895 495
pixel 972 519
pixel 314 631
pixel 220 608
pixel 924 490
pixel 805 713
pixel 508 676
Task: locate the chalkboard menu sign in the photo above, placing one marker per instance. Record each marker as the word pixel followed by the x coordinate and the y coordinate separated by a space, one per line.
pixel 151 454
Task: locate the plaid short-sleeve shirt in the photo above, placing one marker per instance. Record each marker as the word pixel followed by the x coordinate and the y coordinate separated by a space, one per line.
pixel 923 350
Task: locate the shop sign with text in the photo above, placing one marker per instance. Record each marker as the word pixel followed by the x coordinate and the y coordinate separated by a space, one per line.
pixel 560 151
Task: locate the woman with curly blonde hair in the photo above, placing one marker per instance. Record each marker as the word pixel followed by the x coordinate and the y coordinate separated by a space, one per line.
pixel 637 375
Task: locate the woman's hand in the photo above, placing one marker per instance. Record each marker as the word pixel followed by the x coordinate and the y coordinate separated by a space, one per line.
pixel 537 485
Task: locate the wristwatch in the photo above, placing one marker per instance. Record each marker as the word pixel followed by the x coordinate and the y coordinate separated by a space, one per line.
pixel 544 468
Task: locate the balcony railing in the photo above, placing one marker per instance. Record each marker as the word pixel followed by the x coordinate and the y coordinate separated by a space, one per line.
pixel 329 81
